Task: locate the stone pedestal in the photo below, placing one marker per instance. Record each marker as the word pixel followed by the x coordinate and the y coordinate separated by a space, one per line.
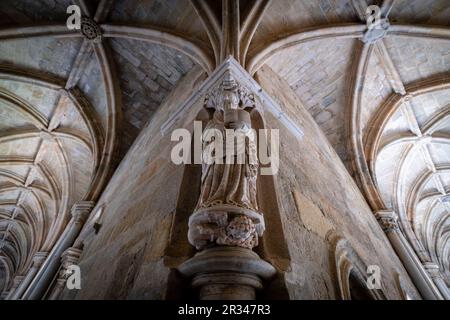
pixel 227 273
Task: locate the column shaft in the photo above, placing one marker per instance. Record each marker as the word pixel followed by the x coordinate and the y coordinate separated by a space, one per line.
pixel 415 269
pixel 37 289
pixel 16 282
pixel 38 260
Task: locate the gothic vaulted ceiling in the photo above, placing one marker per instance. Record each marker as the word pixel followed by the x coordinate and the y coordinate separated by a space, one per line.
pixel 70 108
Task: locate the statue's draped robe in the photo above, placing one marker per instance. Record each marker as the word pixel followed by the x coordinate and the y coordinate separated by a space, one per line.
pixel 229 184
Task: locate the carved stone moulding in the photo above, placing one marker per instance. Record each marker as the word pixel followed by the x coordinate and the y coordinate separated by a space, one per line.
pixel 226 225
pixel 232 91
pixel 227 273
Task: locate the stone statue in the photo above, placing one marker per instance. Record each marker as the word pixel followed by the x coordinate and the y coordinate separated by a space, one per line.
pixel 227 209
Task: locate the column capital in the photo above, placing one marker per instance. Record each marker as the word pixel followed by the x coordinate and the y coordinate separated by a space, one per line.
pixel 81 210
pixel 388 220
pixel 432 269
pixel 71 256
pixel 39 258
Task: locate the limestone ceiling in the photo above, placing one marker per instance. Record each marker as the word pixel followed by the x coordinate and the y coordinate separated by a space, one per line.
pixel 384 107
pixel 67 104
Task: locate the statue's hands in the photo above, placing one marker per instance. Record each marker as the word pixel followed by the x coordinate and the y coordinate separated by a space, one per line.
pixel 241 126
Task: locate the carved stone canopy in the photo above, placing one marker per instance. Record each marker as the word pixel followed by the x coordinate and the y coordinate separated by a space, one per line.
pixel 229 93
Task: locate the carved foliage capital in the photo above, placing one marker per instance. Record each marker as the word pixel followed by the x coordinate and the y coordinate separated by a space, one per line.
pixel 81 210
pixel 432 269
pixel 39 258
pixel 388 220
pixel 70 257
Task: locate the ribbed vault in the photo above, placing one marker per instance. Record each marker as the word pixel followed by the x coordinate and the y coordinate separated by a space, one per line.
pixel 48 155
pixel 384 105
pixel 70 108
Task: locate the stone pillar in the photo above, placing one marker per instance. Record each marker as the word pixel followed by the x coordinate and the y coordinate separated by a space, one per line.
pixel 70 257
pixel 433 270
pixel 226 223
pixel 16 282
pixel 80 212
pixel 38 260
pixel 389 223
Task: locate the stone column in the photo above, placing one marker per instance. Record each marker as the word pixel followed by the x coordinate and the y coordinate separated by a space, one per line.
pixel 16 282
pixel 38 260
pixel 389 223
pixel 70 257
pixel 80 212
pixel 226 224
pixel 436 276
